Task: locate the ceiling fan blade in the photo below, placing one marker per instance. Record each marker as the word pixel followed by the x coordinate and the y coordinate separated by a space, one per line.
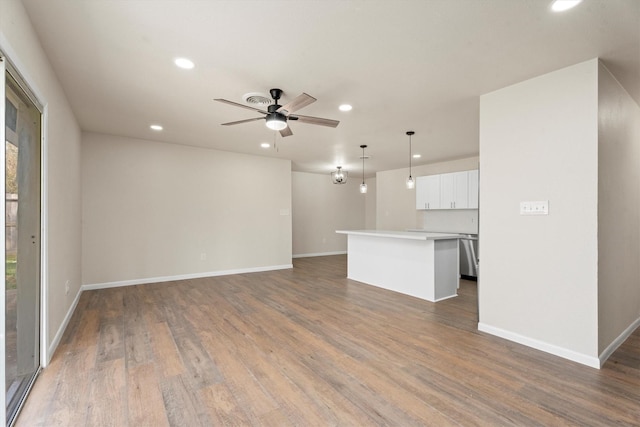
pixel 286 132
pixel 235 104
pixel 317 121
pixel 297 103
pixel 242 121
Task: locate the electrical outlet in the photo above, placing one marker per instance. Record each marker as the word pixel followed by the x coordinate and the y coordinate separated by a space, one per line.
pixel 203 256
pixel 66 287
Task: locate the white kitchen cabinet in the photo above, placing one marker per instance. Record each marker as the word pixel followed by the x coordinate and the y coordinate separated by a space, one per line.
pixel 428 192
pixel 454 190
pixel 457 190
pixel 473 189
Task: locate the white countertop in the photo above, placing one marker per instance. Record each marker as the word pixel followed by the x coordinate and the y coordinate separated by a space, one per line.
pixel 410 235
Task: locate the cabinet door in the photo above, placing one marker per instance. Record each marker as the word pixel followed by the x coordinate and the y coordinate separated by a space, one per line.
pixel 461 190
pixel 447 190
pixel 433 192
pixel 428 192
pixel 421 192
pixel 473 189
pixel 454 190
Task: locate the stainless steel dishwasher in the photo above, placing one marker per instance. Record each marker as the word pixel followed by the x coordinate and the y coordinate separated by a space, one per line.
pixel 469 256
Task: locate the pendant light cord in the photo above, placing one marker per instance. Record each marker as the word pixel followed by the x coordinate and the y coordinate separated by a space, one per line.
pixel 409 154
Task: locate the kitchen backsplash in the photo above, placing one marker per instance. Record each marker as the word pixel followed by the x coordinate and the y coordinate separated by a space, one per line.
pixel 449 221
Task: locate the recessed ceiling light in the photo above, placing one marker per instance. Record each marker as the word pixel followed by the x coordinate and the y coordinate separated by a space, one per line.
pixel 562 5
pixel 345 107
pixel 416 156
pixel 156 127
pixel 265 145
pixel 184 63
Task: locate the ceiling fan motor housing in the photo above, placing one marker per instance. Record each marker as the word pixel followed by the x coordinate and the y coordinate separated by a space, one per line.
pixel 275 94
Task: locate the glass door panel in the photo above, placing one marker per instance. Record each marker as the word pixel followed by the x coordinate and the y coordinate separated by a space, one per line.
pixel 22 244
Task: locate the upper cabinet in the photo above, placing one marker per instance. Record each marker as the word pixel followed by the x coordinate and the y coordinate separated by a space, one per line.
pixel 428 192
pixel 457 190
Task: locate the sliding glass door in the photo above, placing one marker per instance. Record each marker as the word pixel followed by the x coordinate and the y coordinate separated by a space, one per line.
pixel 22 242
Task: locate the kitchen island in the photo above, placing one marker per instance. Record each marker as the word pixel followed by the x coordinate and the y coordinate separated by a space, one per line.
pixel 423 265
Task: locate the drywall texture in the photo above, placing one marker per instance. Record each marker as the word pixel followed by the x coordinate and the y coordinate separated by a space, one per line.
pixel 538 274
pixel 153 210
pixel 618 210
pixel 371 200
pixel 61 164
pixel 319 209
pixel 396 206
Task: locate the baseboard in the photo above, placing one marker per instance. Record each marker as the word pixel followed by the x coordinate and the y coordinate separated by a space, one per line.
pixel 618 341
pixel 118 284
pixel 583 359
pixel 319 254
pixel 63 327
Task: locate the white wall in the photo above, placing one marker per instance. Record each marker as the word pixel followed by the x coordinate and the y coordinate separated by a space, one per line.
pixel 62 208
pixel 319 209
pixel 150 210
pixel 618 212
pixel 396 206
pixel 371 201
pixel 538 274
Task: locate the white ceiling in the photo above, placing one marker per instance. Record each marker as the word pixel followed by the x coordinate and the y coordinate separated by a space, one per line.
pixel 403 65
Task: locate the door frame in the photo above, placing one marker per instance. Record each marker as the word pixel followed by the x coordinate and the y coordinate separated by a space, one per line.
pixel 9 60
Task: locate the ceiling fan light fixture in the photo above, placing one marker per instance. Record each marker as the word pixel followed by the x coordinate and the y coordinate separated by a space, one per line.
pixel 276 121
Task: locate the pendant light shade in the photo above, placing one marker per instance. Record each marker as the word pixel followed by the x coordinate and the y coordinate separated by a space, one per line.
pixel 339 176
pixel 410 181
pixel 363 186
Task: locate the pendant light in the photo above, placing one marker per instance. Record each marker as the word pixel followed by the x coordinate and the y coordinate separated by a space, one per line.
pixel 339 176
pixel 410 181
pixel 363 186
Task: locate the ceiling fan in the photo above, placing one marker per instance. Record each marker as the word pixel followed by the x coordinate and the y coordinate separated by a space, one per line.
pixel 277 115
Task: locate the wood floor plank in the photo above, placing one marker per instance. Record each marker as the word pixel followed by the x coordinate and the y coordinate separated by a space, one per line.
pixel 181 404
pixel 111 340
pixel 108 386
pixel 165 352
pixel 307 346
pixel 136 338
pixel 70 398
pixel 144 396
pixel 222 407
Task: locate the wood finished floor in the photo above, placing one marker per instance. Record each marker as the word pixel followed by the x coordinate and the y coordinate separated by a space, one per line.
pixel 309 347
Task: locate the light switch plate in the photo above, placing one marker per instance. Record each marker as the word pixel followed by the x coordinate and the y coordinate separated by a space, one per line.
pixel 534 208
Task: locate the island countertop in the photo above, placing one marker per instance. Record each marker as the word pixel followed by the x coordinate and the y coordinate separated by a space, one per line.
pixel 401 234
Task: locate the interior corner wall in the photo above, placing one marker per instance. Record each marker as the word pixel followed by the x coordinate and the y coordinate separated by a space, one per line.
pixel 538 273
pixel 371 200
pixel 396 206
pixel 618 213
pixel 61 165
pixel 319 209
pixel 157 211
